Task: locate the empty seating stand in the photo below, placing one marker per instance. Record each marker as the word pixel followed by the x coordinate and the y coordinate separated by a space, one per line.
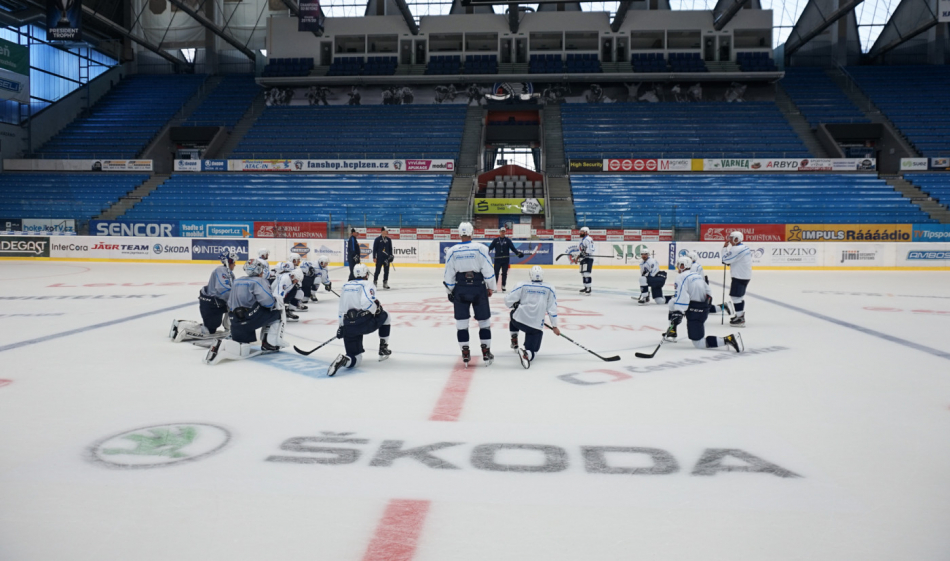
pixel 583 63
pixel 225 106
pixel 546 64
pixel 643 201
pixel 125 120
pixel 513 187
pixel 755 62
pixel 679 130
pixel 346 66
pixel 277 67
pixel 366 132
pixel 687 62
pixel 410 200
pixel 78 196
pixel 444 64
pixel 481 64
pixel 648 62
pixel 380 66
pixel 818 98
pixel 935 185
pixel 914 99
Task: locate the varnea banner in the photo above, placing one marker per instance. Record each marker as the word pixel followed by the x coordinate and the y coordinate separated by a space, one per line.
pixel 135 229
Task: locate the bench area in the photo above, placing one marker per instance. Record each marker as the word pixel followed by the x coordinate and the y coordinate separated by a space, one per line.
pixel 642 201
pixel 418 199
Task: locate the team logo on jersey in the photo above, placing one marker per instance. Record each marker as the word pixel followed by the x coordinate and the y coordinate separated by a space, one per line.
pixel 159 445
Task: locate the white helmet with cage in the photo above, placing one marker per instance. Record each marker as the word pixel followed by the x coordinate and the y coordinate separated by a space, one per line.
pixel 536 274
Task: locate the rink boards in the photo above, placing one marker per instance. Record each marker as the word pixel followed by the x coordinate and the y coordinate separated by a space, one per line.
pixel 773 255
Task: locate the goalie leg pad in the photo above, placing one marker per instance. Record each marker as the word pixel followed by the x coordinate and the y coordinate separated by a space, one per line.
pixel 226 349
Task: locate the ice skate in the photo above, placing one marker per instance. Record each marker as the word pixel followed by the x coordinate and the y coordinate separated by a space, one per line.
pixel 487 357
pixel 386 285
pixel 292 316
pixel 514 342
pixel 735 341
pixel 738 321
pixel 466 355
pixel 644 298
pixel 313 298
pixel 670 335
pixel 339 362
pixel 384 351
pixel 523 356
pixel 729 307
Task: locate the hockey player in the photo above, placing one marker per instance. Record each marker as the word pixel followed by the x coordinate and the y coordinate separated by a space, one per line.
pixel 263 254
pixel 286 288
pixel 360 314
pixel 739 259
pixel 352 252
pixel 502 245
pixel 383 256
pixel 585 251
pixel 314 274
pixel 698 269
pixel 252 305
pixel 468 280
pixel 691 302
pixel 529 302
pixel 212 303
pixel 651 278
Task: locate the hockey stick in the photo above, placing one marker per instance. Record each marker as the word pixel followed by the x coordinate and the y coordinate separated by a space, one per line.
pixel 604 358
pixel 653 354
pixel 722 320
pixel 602 256
pixel 311 351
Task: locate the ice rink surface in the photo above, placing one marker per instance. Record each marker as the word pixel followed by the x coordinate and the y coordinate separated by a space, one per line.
pixel 826 440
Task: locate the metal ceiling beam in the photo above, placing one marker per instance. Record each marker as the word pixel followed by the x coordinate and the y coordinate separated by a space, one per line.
pixel 200 18
pixel 88 12
pixel 797 39
pixel 407 15
pixel 925 19
pixel 724 11
pixel 620 16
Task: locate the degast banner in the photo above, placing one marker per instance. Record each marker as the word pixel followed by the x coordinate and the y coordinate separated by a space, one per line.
pixel 14 72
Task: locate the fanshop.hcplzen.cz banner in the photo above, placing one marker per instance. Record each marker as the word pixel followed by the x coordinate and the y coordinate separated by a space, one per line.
pixel 14 72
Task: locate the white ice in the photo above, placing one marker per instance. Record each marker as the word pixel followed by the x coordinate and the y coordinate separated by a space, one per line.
pixel 861 416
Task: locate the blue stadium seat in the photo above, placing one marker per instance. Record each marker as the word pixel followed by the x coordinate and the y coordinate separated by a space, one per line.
pixel 79 196
pixel 818 98
pixel 225 106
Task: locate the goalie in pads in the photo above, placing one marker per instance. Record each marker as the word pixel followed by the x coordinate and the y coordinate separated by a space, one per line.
pixel 252 306
pixel 360 314
pixel 212 303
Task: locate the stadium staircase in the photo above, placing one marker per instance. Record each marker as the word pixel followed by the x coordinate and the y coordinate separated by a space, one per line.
pixel 799 123
pixel 851 89
pixel 561 205
pixel 456 207
pixel 926 203
pixel 237 133
pixel 553 141
pixel 513 68
pixel 160 149
pixel 125 203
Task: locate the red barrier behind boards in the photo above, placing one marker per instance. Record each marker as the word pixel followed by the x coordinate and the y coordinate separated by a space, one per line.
pixel 290 230
pixel 750 232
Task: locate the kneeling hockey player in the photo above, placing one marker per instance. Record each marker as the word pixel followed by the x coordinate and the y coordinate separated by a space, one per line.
pixel 360 314
pixel 212 303
pixel 691 302
pixel 529 302
pixel 313 274
pixel 252 306
pixel 651 278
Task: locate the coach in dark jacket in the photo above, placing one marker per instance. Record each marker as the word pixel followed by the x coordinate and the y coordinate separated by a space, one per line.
pixel 352 252
pixel 502 246
pixel 383 256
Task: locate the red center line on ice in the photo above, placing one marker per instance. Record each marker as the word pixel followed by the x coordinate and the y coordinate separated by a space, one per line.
pixel 397 534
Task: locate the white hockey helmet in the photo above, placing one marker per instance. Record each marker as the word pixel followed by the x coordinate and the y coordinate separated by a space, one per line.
pixel 297 275
pixel 227 257
pixel 295 259
pixel 536 274
pixel 360 271
pixel 466 229
pixel 691 253
pixel 737 235
pixel 585 230
pixel 323 260
pixel 644 250
pixel 263 253
pixel 284 267
pixel 683 263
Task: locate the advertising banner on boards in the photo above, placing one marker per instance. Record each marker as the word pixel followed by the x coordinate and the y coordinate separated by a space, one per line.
pixel 24 246
pixel 848 232
pixel 14 72
pixel 141 229
pixel 750 232
pixel 209 250
pixel 509 206
pixel 200 229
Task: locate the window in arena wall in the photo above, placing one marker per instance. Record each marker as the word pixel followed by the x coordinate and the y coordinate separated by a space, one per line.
pixel 871 16
pixel 785 14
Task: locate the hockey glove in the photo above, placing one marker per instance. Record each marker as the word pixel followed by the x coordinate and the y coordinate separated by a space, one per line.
pixel 379 309
pixel 339 332
pixel 392 258
pixel 451 297
pixel 328 286
pixel 520 254
pixel 676 317
pixel 515 306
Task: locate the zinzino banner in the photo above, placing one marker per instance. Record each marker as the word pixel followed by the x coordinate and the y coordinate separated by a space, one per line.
pixel 848 232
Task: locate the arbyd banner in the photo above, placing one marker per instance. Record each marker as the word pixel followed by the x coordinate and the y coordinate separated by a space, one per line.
pixel 199 229
pixel 210 250
pixel 342 166
pixel 931 233
pixel 848 232
pixel 24 246
pixel 290 229
pixel 790 164
pixel 142 229
pixel 750 232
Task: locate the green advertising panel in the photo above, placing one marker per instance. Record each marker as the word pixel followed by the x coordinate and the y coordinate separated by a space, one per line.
pixel 14 72
pixel 509 206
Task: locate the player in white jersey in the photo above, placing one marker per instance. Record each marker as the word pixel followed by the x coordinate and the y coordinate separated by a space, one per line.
pixel 651 278
pixel 529 303
pixel 585 252
pixel 691 302
pixel 212 303
pixel 698 269
pixel 263 254
pixel 286 288
pixel 313 274
pixel 360 314
pixel 739 259
pixel 468 278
